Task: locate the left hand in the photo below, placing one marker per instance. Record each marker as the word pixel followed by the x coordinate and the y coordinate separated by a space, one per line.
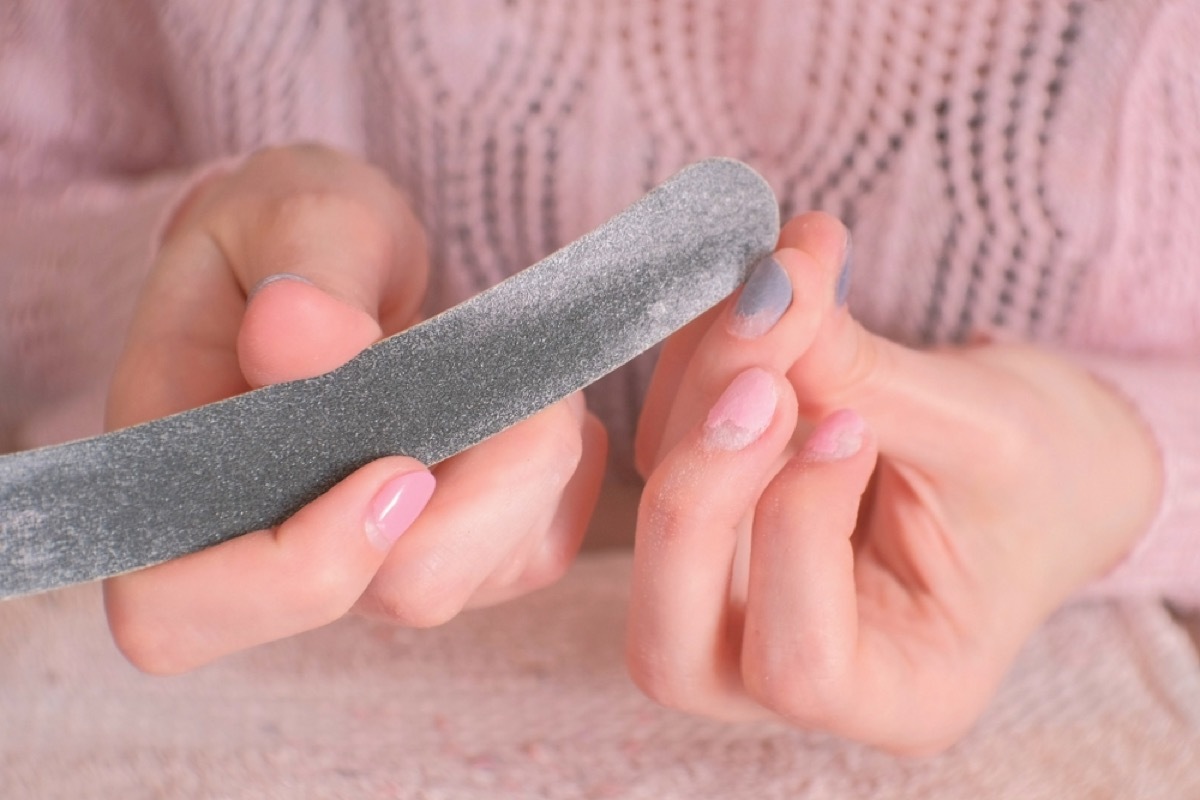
pixel 282 268
pixel 876 578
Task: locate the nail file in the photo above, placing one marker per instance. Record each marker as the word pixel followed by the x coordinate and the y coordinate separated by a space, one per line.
pixel 152 492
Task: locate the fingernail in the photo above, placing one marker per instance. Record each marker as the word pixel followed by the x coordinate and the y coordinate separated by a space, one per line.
pixel 278 276
pixel 842 292
pixel 743 412
pixel 396 506
pixel 840 435
pixel 577 402
pixel 766 295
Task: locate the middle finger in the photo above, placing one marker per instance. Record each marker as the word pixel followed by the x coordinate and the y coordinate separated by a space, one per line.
pixel 491 499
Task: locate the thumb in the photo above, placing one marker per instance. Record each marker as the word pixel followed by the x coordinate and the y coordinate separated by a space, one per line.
pixel 293 329
pixel 215 317
pixel 910 398
pixel 844 365
pixel 329 277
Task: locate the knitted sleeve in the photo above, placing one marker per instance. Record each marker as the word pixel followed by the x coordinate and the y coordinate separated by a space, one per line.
pixel 1166 562
pixel 1145 320
pixel 87 164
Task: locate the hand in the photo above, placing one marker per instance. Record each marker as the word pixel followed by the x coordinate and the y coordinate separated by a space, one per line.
pixel 282 269
pixel 877 577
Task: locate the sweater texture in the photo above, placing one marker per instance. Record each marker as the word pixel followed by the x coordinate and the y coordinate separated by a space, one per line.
pixel 1023 168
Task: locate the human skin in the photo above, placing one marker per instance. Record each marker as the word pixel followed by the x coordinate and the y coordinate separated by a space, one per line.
pixel 874 577
pixel 284 268
pixel 886 570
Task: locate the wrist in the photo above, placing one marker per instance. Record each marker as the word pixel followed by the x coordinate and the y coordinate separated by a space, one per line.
pixel 1164 561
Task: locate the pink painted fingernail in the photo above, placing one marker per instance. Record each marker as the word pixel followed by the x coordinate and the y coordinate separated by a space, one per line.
pixel 743 412
pixel 396 506
pixel 840 435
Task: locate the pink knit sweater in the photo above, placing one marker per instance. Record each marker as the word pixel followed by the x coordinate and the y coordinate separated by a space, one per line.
pixel 1027 167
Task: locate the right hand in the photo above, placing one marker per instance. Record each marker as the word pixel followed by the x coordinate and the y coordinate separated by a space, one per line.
pixel 285 268
pixel 877 577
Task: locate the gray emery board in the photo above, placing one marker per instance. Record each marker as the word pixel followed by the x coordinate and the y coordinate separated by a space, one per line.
pixel 152 492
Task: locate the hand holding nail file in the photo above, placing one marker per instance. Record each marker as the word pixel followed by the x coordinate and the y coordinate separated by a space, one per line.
pixel 156 491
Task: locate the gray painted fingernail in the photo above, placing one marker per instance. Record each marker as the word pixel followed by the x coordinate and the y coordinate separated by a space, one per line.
pixel 843 282
pixel 766 295
pixel 278 276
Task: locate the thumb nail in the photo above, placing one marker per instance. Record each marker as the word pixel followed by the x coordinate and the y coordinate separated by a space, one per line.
pixel 278 276
pixel 842 292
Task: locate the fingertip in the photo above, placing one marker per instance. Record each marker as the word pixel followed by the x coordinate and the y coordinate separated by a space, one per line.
pixel 762 301
pixel 307 572
pixel 378 502
pixel 828 242
pixel 743 412
pixel 835 463
pixel 728 456
pixel 839 436
pixel 821 235
pixel 396 505
pixel 839 456
pixel 292 329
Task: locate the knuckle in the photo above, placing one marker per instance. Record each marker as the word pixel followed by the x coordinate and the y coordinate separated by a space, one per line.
pixel 807 694
pixel 1008 444
pixel 868 369
pixel 547 567
pixel 514 570
pixel 331 586
pixel 1024 427
pixel 669 681
pixel 1008 424
pixel 793 703
pixel 420 598
pixel 1030 378
pixel 144 651
pixel 554 455
pixel 658 682
pixel 143 643
pixel 295 213
pixel 293 221
pixel 421 612
pixel 672 506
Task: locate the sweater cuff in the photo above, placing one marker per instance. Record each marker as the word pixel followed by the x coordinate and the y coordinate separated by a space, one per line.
pixel 1165 562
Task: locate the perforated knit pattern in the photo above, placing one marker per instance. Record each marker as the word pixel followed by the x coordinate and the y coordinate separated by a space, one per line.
pixel 531 700
pixel 1027 166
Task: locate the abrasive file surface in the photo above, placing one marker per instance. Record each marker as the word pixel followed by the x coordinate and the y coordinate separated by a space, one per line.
pixel 149 493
